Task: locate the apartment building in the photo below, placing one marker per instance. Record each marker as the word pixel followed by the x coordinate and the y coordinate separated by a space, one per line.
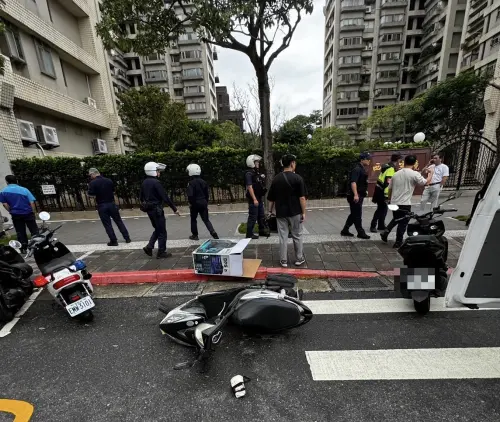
pixel 225 112
pixel 56 95
pixel 380 52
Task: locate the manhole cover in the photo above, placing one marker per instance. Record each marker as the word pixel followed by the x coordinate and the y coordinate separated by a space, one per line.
pixel 360 283
pixel 175 289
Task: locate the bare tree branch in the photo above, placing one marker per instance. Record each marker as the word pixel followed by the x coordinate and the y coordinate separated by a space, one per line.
pixel 286 39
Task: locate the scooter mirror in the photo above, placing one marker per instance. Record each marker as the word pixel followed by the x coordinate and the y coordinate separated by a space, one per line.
pixel 393 207
pixel 15 244
pixel 198 334
pixel 44 216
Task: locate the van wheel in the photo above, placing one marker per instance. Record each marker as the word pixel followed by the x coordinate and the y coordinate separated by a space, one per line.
pixel 87 316
pixel 424 307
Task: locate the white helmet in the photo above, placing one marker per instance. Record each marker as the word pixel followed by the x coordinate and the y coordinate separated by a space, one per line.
pixel 251 159
pixel 194 170
pixel 151 168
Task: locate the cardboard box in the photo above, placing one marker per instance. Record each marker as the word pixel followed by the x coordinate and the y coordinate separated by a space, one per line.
pixel 225 258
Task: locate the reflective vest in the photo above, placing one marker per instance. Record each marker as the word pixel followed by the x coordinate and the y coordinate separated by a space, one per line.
pixel 384 179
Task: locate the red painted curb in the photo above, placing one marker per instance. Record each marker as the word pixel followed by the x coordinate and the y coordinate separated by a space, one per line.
pixel 187 275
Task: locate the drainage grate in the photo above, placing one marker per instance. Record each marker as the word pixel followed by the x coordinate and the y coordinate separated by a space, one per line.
pixel 361 283
pixel 175 289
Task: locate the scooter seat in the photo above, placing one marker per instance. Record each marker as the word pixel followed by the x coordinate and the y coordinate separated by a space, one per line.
pixel 25 268
pixel 57 264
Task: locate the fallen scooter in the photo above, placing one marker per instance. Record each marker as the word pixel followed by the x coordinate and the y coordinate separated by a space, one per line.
pixel 271 307
pixel 424 252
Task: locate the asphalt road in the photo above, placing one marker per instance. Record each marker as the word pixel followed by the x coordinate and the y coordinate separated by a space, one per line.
pixel 120 368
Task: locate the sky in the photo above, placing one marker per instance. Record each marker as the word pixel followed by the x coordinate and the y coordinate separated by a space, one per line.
pixel 297 71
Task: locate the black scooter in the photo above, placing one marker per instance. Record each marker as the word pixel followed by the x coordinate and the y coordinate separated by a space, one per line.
pixel 15 282
pixel 424 252
pixel 271 307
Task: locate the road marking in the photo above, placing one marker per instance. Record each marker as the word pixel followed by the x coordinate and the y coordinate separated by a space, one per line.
pixel 7 328
pixel 376 306
pixel 404 364
pixel 21 410
pixel 86 254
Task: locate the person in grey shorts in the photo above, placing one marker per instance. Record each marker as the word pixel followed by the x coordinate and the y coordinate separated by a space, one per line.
pixel 287 195
pixel 440 173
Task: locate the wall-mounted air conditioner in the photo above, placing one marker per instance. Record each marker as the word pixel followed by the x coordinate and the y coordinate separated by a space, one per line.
pixel 90 101
pixel 99 146
pixel 27 131
pixel 368 9
pixel 48 137
pixel 368 47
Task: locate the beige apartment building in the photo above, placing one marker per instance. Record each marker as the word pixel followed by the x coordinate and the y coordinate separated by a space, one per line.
pixel 56 95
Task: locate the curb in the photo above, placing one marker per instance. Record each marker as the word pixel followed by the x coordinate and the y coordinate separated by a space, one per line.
pixel 188 275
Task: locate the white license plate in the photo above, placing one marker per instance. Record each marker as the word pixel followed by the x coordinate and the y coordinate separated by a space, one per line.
pixel 61 274
pixel 80 306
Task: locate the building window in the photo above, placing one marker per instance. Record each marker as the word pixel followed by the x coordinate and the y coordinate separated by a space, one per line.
pixel 44 55
pixel 347 95
pixel 369 24
pixel 178 92
pixel 498 15
pixel 347 111
pixel 156 74
pixel 391 37
pixel 495 41
pixel 191 54
pixel 389 56
pixel 188 36
pixel 194 89
pixel 192 72
pixel 351 22
pixel 388 74
pixel 63 72
pixel 175 58
pixel 348 3
pixel 196 106
pixel 14 45
pixel 176 78
pixel 392 18
pixel 350 60
pixel 349 77
pixel 385 91
pixel 351 41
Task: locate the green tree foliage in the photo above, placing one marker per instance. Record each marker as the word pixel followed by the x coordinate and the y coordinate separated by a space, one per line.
pixel 296 130
pixel 155 121
pixel 331 137
pixel 260 29
pixel 232 136
pixel 200 134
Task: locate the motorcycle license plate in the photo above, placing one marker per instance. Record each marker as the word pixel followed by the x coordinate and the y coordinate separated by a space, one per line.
pixel 82 305
pixel 418 278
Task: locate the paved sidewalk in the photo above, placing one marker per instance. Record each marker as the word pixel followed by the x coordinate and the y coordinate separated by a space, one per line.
pixel 334 255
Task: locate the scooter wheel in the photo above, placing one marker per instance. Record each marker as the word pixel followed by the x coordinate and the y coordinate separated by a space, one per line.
pixel 87 316
pixel 424 307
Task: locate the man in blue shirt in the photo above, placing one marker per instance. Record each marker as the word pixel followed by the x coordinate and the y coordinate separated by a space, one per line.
pixel 20 202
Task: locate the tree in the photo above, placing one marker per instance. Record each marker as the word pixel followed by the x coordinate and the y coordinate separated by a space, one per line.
pixel 200 134
pixel 296 130
pixel 231 136
pixel 156 122
pixel 247 26
pixel 331 137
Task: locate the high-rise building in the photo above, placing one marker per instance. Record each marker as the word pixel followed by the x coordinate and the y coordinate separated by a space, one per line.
pixel 225 112
pixel 56 96
pixel 380 52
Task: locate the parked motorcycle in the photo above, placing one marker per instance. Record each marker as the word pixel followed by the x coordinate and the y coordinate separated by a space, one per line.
pixel 15 282
pixel 67 279
pixel 271 307
pixel 425 253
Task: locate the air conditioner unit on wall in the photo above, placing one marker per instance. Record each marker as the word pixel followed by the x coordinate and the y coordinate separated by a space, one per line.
pixel 368 9
pixel 90 101
pixel 27 131
pixel 99 146
pixel 48 137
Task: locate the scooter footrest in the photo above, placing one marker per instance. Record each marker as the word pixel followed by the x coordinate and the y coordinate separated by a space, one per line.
pixel 281 280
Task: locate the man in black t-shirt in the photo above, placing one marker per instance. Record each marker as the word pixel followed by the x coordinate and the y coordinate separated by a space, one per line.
pixel 356 193
pixel 288 195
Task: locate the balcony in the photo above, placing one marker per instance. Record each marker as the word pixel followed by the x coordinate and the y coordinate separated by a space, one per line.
pixel 192 77
pixel 394 3
pixel 359 27
pixel 156 76
pixel 193 94
pixel 350 82
pixel 191 60
pixel 346 6
pixel 389 43
pixel 351 47
pixel 196 111
pixel 154 59
pixel 349 116
pixel 346 65
pixel 189 41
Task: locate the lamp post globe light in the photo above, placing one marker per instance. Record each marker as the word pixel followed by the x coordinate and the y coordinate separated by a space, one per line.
pixel 419 137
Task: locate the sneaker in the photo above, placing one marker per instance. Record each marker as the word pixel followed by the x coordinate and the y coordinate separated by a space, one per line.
pixel 128 240
pixel 193 237
pixel 299 262
pixel 373 230
pixel 115 243
pixel 397 245
pixel 363 236
pixel 148 251
pixel 163 254
pixel 346 233
pixel 283 264
pixel 384 236
pixel 253 237
pixel 215 235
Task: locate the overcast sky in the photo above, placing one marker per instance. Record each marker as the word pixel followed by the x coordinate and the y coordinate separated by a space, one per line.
pixel 298 71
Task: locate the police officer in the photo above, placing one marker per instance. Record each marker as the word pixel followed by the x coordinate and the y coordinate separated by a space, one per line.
pixel 381 194
pixel 356 193
pixel 197 193
pixel 256 189
pixel 153 198
pixel 104 191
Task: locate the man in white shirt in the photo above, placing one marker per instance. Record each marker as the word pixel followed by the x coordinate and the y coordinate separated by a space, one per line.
pixel 401 189
pixel 440 174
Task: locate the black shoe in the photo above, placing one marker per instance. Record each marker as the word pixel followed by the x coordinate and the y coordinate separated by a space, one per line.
pixel 115 243
pixel 163 254
pixel 363 236
pixel 148 251
pixel 397 245
pixel 253 237
pixel 23 251
pixel 128 240
pixel 193 237
pixel 215 235
pixel 373 230
pixel 384 236
pixel 346 233
pixel 2 234
pixel 381 229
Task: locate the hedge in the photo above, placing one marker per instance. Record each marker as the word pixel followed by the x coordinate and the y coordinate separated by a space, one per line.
pixel 323 169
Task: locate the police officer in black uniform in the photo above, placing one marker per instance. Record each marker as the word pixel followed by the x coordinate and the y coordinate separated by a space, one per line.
pixel 356 193
pixel 256 190
pixel 153 198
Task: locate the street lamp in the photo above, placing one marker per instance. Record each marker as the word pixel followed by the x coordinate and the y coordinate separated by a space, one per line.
pixel 419 137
